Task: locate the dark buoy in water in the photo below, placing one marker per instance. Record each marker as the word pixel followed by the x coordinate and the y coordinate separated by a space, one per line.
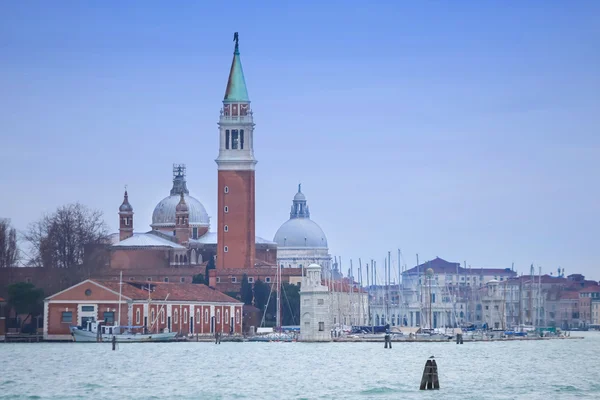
pixel 430 379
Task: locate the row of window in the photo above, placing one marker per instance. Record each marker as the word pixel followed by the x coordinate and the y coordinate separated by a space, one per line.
pixel 185 316
pixel 108 316
pixel 166 279
pixel 250 279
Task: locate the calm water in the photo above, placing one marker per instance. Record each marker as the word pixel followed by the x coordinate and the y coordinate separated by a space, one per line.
pixel 558 369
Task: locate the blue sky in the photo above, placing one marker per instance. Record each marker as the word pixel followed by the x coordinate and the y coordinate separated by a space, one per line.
pixel 463 130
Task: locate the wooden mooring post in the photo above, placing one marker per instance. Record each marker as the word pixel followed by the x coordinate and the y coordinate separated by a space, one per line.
pixel 430 379
pixel 387 339
pixel 114 342
pixel 459 338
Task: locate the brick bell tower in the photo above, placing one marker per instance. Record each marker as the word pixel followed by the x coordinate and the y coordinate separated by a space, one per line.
pixel 236 163
pixel 125 218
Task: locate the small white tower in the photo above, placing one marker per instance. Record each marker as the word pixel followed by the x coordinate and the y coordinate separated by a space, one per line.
pixel 315 324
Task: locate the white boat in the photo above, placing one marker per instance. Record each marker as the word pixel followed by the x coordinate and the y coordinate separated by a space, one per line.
pixel 96 332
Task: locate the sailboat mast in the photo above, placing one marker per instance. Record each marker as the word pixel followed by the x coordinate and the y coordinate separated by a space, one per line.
pixel 278 285
pixel 351 294
pixel 400 313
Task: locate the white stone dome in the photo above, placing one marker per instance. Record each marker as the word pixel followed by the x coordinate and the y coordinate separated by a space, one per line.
pixel 164 212
pixel 300 232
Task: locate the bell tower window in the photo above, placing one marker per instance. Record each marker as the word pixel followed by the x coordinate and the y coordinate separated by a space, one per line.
pixel 241 139
pixel 227 139
pixel 235 139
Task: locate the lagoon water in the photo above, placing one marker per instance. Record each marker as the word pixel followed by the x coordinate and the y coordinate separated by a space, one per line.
pixel 555 369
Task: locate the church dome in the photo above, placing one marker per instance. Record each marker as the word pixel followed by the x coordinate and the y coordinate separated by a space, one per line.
pixel 164 212
pixel 300 232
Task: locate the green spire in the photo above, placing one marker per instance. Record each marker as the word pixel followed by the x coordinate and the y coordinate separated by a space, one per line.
pixel 236 85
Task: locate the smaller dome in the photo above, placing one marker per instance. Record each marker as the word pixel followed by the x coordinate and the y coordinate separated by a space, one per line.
pixel 300 197
pixel 125 207
pixel 182 206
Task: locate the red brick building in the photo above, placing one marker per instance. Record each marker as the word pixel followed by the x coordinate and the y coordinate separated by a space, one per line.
pixel 178 307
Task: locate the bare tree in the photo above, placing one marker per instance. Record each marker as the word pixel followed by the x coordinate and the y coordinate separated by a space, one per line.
pixel 58 240
pixel 9 252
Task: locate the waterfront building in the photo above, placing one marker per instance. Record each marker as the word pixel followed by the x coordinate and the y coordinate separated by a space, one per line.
pixel 586 296
pixel 153 306
pixel 300 240
pixel 349 304
pixel 493 305
pixel 315 307
pixel 595 324
pixel 439 293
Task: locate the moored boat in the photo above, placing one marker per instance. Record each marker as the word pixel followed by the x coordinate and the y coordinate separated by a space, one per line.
pixel 94 331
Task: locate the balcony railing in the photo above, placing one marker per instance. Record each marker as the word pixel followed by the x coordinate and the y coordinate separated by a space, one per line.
pixel 236 119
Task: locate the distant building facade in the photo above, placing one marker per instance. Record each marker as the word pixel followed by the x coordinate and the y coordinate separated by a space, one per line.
pixel 177 307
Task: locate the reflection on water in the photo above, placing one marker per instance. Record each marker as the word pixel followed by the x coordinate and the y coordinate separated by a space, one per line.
pixel 498 370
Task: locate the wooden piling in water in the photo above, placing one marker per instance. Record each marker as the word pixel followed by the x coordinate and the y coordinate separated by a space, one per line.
pixel 114 342
pixel 430 379
pixel 388 341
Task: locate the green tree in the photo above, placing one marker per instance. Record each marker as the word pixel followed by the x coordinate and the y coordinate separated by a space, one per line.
pixel 246 291
pixel 199 278
pixel 25 298
pixel 290 304
pixel 261 294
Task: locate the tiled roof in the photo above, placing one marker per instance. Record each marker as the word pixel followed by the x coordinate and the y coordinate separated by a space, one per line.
pixel 147 240
pixel 590 289
pixel 441 266
pixel 176 291
pixel 438 265
pixel 569 295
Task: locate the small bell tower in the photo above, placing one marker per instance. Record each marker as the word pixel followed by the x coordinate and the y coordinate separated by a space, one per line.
pixel 125 218
pixel 182 222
